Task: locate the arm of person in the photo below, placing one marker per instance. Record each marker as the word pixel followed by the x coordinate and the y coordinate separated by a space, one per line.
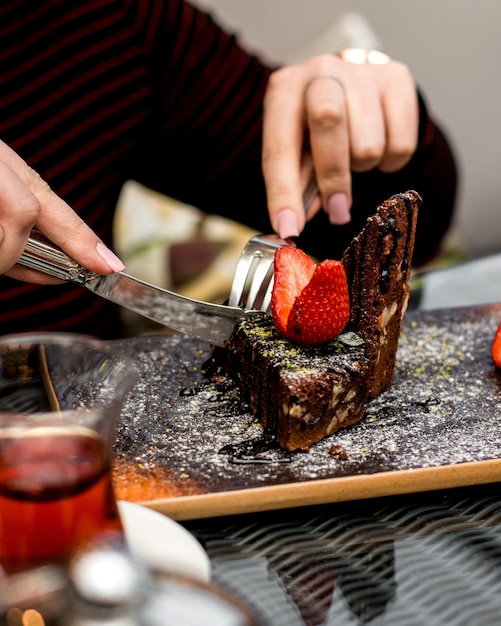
pixel 248 151
pixel 27 202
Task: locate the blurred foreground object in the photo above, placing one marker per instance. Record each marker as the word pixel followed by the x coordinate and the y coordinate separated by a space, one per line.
pixel 109 586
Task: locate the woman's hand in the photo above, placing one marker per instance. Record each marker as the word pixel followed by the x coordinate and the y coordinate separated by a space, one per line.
pixel 349 116
pixel 26 201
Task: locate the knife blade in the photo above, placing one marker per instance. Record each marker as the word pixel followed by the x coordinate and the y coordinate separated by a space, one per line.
pixel 203 320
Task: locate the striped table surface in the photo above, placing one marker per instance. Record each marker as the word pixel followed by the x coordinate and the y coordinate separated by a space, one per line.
pixel 414 560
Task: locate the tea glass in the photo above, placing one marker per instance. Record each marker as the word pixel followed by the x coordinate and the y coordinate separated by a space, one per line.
pixel 60 398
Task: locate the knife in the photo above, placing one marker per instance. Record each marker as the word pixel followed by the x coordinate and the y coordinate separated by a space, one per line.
pixel 203 320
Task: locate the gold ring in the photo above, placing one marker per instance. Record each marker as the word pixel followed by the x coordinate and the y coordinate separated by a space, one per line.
pixel 359 56
pixel 321 76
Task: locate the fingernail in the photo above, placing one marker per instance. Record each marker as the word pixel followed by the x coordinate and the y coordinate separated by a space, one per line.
pixel 338 209
pixel 109 258
pixel 287 224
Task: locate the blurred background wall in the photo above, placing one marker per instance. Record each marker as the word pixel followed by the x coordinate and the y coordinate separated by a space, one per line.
pixel 453 48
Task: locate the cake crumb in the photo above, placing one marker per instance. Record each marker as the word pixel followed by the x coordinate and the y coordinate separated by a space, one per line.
pixel 338 452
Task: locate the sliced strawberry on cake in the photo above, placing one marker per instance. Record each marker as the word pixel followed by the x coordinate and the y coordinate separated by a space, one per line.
pixel 310 302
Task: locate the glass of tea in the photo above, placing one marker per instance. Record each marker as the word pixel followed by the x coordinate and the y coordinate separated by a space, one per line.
pixel 60 398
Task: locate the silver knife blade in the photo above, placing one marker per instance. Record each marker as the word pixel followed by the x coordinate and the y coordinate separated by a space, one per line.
pixel 210 322
pixel 203 320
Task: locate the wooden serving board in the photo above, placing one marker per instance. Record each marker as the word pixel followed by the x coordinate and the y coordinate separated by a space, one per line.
pixel 191 449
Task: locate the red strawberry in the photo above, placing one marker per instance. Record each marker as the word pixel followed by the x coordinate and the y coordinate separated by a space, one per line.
pixel 310 303
pixel 496 348
pixel 293 270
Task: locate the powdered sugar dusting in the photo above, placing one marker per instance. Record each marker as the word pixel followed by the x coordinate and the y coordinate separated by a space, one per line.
pixel 443 408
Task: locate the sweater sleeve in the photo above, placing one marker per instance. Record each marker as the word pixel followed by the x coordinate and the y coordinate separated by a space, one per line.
pixel 203 143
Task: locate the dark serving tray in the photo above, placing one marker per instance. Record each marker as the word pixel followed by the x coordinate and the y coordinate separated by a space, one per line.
pixel 191 449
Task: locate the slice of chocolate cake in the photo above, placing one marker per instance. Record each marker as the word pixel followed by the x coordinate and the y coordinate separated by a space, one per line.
pixel 300 394
pixel 304 394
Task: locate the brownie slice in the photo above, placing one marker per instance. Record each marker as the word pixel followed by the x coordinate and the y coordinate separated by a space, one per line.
pixel 304 394
pixel 300 394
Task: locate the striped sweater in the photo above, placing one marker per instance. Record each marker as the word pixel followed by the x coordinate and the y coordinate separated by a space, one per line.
pixel 96 92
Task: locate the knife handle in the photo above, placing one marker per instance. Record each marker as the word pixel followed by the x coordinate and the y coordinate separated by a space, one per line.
pixel 42 255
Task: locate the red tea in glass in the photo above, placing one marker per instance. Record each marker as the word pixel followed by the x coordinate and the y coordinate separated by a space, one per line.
pixel 55 481
pixel 55 494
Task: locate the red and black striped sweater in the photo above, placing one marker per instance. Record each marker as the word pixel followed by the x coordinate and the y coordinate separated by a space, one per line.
pixel 96 92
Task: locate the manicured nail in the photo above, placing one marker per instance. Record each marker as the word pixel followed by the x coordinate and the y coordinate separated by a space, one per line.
pixel 287 224
pixel 338 209
pixel 109 258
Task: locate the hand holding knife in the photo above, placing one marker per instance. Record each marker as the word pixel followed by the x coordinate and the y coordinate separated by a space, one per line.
pixel 203 320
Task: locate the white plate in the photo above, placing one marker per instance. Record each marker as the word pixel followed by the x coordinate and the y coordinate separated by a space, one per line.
pixel 163 543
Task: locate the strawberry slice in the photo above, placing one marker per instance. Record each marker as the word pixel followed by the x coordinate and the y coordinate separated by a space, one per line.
pixel 310 302
pixel 293 270
pixel 496 348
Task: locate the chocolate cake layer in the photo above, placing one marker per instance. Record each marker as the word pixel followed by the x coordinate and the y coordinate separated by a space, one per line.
pixel 299 394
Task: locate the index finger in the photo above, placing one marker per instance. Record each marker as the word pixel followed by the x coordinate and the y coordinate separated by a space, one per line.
pixel 283 126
